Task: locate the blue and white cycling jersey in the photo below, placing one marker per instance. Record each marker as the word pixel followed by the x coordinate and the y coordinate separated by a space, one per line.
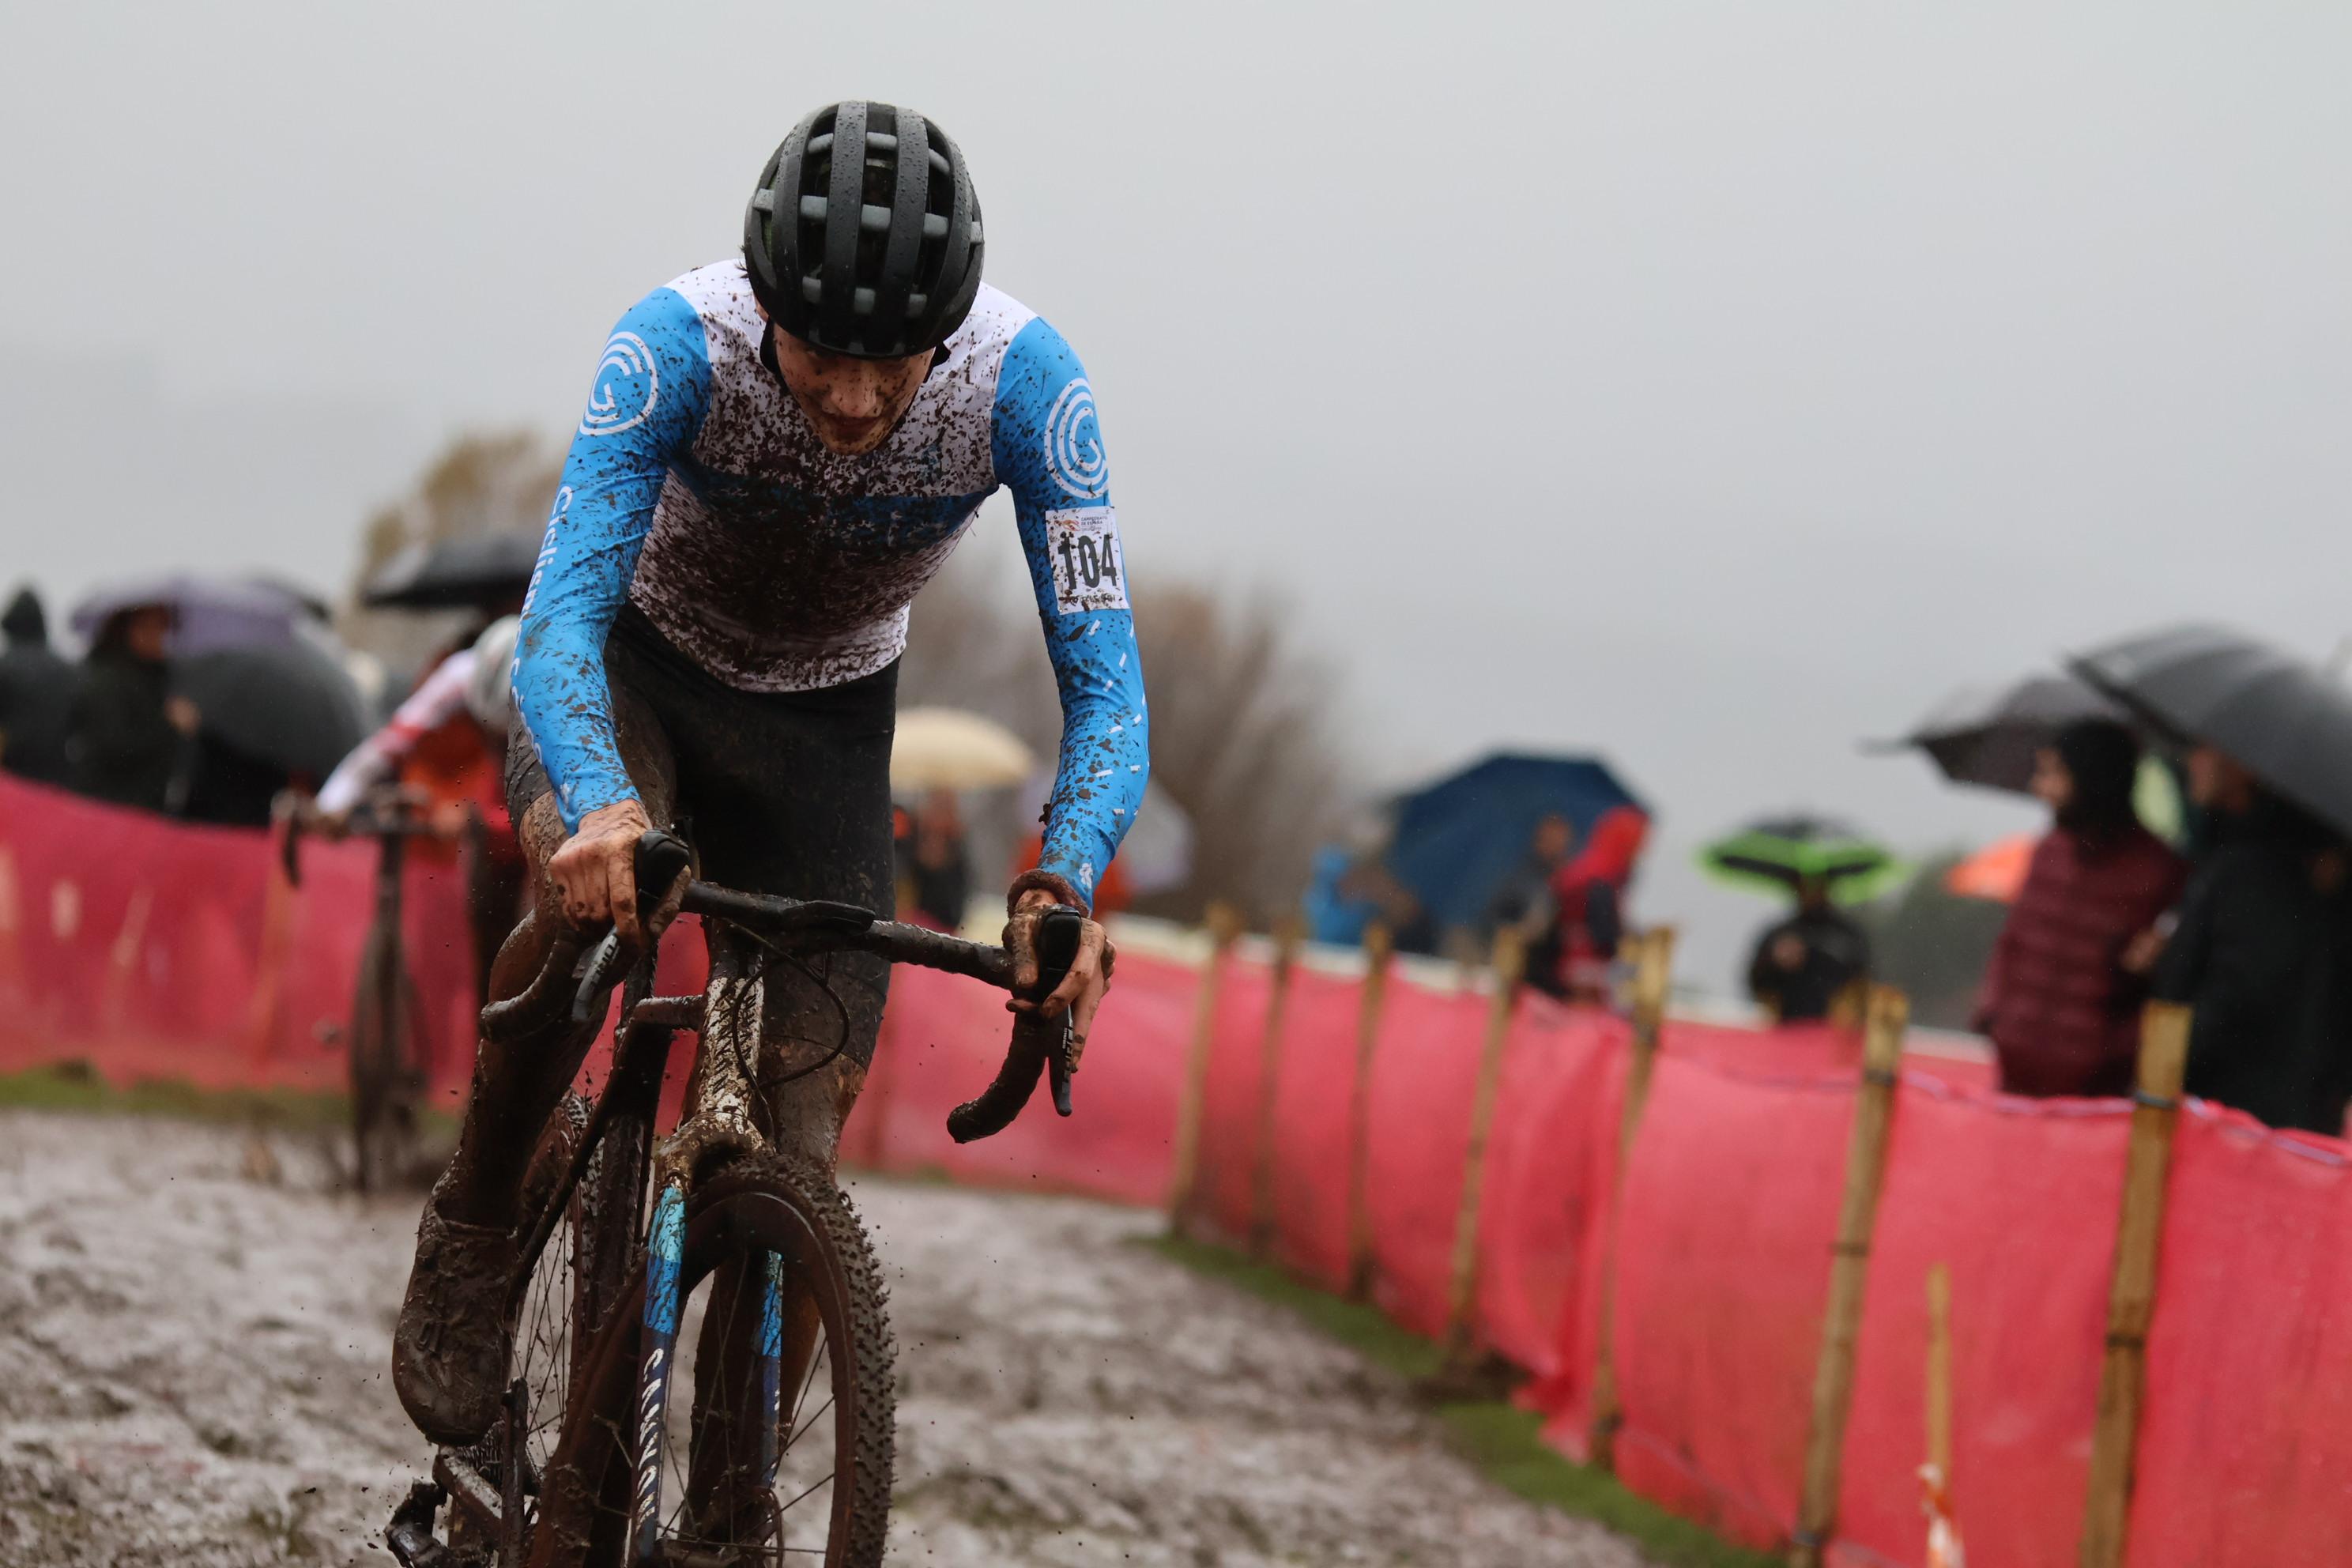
pixel 697 490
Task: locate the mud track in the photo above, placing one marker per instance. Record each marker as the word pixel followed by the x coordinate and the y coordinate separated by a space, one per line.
pixel 192 1374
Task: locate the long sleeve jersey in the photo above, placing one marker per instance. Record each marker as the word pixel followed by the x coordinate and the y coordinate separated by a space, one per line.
pixel 696 491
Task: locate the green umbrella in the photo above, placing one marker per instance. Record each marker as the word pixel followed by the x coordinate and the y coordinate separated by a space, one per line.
pixel 1779 853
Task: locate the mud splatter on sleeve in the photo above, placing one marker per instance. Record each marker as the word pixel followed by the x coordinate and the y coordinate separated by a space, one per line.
pixel 644 408
pixel 1048 451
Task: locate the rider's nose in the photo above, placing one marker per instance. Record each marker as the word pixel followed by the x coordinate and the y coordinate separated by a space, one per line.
pixel 857 400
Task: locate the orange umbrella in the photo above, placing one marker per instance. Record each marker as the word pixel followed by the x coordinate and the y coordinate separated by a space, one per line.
pixel 1996 872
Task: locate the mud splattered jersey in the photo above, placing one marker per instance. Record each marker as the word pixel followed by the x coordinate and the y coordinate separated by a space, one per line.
pixel 696 491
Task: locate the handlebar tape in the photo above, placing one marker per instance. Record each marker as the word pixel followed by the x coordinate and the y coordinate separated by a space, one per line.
pixel 1039 1045
pixel 660 858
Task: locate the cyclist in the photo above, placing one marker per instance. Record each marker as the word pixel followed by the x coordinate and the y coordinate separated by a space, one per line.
pixel 446 742
pixel 778 451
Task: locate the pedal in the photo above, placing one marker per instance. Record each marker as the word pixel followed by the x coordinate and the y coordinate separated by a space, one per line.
pixel 472 1491
pixel 409 1533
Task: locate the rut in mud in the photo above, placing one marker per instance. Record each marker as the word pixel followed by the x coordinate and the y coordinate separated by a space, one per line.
pixel 193 1375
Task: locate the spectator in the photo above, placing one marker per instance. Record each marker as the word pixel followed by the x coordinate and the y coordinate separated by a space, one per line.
pixel 129 740
pixel 2252 952
pixel 1801 964
pixel 2062 993
pixel 1587 898
pixel 37 689
pixel 1525 898
pixel 933 861
pixel 2323 1021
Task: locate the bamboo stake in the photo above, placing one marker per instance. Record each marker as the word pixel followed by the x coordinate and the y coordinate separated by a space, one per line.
pixel 1461 1298
pixel 1939 1369
pixel 1653 967
pixel 1944 1548
pixel 2131 1300
pixel 1865 1166
pixel 1224 925
pixel 1287 938
pixel 1380 949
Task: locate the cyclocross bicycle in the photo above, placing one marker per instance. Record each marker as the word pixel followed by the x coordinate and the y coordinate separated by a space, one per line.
pixel 382 1040
pixel 747 1277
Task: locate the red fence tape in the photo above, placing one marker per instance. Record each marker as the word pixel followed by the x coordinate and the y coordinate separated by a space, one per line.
pixel 153 949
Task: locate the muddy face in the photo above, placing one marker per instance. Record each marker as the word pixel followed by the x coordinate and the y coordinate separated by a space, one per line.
pixel 852 404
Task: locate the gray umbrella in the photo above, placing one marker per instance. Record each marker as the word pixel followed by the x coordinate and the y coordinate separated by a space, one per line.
pixel 476 571
pixel 208 613
pixel 290 704
pixel 1990 738
pixel 2288 723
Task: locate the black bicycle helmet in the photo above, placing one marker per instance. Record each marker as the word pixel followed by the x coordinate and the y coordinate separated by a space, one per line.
pixel 864 236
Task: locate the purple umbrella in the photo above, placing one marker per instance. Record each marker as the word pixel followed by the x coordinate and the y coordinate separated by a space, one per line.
pixel 209 613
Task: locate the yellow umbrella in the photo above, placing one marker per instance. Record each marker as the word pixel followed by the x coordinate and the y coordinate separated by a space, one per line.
pixel 947 748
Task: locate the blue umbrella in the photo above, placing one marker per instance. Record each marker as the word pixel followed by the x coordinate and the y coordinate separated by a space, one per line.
pixel 1458 841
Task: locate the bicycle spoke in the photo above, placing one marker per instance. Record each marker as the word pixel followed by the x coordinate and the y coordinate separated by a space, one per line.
pixel 809 1422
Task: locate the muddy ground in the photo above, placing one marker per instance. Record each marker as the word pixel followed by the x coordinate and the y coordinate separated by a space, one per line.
pixel 192 1372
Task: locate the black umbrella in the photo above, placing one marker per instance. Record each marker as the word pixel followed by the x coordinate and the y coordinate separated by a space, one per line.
pixel 473 571
pixel 2288 723
pixel 1990 738
pixel 290 704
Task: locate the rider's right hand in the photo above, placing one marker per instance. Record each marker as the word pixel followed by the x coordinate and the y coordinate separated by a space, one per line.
pixel 595 873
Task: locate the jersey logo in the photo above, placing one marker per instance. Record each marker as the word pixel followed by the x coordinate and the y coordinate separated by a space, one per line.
pixel 1082 547
pixel 628 384
pixel 1074 448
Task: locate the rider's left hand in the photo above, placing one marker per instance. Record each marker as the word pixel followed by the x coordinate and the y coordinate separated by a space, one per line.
pixel 1080 994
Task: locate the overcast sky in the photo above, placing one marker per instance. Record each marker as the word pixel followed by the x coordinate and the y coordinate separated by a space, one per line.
pixel 1706 384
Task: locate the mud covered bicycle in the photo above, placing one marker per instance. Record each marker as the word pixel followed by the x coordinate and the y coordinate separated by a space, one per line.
pixel 709 1261
pixel 381 1041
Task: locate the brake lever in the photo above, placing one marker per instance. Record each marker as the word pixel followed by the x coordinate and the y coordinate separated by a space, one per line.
pixel 1059 1068
pixel 588 1001
pixel 660 858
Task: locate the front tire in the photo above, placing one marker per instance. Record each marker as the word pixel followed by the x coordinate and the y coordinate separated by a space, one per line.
pixel 832 1443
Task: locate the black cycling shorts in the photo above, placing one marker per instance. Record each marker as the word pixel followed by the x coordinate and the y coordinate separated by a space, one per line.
pixel 785 793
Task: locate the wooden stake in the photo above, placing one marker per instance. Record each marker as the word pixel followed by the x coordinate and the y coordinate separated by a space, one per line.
pixel 1652 952
pixel 1287 938
pixel 1461 1299
pixel 1379 950
pixel 1224 925
pixel 1945 1549
pixel 2131 1300
pixel 1865 1165
pixel 1939 1371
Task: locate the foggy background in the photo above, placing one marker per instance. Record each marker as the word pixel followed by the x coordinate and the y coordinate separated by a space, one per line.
pixel 1706 386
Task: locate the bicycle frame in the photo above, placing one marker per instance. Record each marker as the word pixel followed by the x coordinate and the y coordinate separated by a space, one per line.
pixel 643 1037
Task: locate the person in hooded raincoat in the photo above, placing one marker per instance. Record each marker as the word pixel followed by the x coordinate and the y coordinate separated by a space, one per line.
pixel 2061 995
pixel 37 693
pixel 1589 895
pixel 2259 953
pixel 131 740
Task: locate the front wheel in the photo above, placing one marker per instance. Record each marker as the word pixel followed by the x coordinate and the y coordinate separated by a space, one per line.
pixel 783 1452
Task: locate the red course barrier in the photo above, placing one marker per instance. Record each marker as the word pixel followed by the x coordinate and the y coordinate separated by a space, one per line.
pixel 153 949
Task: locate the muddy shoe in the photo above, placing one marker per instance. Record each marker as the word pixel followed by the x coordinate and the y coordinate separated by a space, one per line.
pixel 449 1352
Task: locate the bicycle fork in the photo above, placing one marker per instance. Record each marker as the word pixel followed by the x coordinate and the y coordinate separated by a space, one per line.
pixel 664 1259
pixel 664 1255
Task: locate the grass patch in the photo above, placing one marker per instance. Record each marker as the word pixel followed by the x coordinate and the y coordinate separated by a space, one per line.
pixel 77 1087
pixel 1499 1438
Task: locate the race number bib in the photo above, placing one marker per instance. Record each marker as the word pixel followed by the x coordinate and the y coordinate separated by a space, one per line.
pixel 1082 545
